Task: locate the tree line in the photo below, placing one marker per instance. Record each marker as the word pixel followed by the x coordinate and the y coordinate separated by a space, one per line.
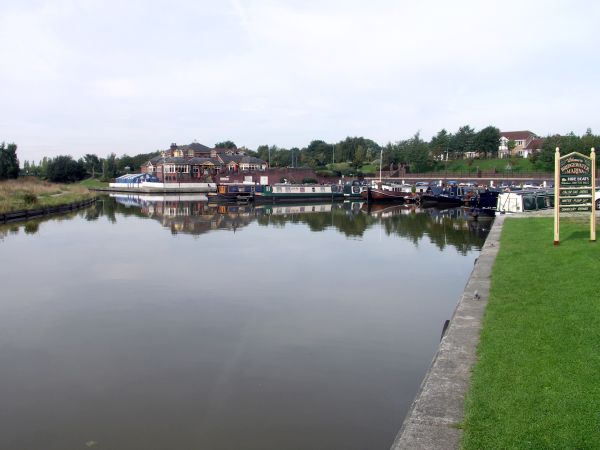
pixel 9 163
pixel 66 169
pixel 349 155
pixel 544 160
pixel 414 153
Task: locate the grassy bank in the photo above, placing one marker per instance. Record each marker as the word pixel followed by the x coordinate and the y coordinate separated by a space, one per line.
pixel 31 193
pixel 93 183
pixel 500 165
pixel 536 384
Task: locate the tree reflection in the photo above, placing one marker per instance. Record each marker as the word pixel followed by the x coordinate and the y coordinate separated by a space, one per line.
pixel 352 219
pixel 442 227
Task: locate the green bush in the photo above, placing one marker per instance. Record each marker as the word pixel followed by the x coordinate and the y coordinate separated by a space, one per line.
pixel 309 181
pixel 327 173
pixel 29 198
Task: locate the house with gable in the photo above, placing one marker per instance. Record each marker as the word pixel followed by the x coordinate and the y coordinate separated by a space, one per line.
pixel 196 163
pixel 526 143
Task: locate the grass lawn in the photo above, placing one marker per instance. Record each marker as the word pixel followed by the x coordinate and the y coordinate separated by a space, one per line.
pixel 32 193
pixel 516 164
pixel 537 382
pixel 92 183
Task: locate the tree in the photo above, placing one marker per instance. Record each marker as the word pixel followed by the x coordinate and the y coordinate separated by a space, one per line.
pixel 440 144
pixel 463 141
pixel 262 152
pixel 9 164
pixel 414 152
pixel 345 151
pixel 567 144
pixel 109 167
pixel 318 153
pixel 226 144
pixel 359 157
pixel 43 167
pixel 92 164
pixel 487 141
pixel 64 169
pixel 418 154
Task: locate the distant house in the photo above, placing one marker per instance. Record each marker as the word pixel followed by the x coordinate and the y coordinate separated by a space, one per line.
pixel 197 162
pixel 523 143
pixel 534 146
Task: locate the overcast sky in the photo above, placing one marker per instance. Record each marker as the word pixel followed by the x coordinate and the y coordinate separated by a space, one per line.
pixel 133 76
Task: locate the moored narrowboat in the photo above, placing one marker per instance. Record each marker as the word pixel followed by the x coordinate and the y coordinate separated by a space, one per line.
pixel 353 190
pixel 299 192
pixel 233 192
pixel 385 192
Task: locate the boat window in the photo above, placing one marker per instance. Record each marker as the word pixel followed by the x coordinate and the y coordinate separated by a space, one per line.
pixel 313 189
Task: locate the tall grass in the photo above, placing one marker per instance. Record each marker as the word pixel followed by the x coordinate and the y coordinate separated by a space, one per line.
pixel 31 193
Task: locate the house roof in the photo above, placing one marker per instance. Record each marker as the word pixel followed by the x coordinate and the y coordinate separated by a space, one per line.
pixel 196 147
pixel 230 158
pixel 251 160
pixel 517 135
pixel 535 144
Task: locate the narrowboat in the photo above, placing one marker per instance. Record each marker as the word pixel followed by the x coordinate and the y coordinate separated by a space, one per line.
pixel 524 201
pixel 233 192
pixel 438 196
pixel 353 190
pixel 299 192
pixel 385 192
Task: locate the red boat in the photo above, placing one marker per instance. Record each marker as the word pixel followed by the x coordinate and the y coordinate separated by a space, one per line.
pixel 384 193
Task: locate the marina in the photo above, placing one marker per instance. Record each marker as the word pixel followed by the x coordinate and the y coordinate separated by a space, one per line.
pixel 216 325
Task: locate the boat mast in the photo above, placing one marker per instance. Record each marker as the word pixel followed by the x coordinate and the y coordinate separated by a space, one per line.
pixel 380 162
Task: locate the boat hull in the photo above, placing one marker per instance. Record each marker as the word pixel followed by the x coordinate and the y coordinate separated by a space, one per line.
pixel 440 200
pixel 298 193
pixel 232 193
pixel 381 195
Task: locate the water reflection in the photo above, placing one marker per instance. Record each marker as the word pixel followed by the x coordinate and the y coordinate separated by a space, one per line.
pixel 187 214
pixel 193 214
pixel 310 327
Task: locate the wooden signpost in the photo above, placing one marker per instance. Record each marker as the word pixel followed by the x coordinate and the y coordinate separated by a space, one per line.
pixel 574 188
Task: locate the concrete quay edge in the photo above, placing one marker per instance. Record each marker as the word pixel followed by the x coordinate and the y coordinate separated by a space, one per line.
pixel 433 419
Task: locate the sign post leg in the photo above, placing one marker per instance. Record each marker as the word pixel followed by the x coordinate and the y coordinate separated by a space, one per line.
pixel 556 196
pixel 593 218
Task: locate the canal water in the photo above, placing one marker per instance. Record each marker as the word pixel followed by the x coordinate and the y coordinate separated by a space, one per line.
pixel 170 323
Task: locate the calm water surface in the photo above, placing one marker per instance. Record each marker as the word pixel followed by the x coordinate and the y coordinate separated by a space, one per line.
pixel 145 324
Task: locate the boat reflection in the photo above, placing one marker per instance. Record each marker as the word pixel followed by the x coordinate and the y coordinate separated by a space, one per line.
pixel 193 214
pixel 353 219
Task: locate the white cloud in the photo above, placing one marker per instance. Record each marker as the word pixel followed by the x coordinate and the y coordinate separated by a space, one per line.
pixel 134 76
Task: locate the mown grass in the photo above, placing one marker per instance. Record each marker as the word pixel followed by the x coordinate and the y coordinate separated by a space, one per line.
pixel 537 382
pixel 32 193
pixel 500 165
pixel 92 183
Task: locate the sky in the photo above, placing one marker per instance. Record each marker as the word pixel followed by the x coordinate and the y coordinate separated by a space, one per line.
pixel 129 77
